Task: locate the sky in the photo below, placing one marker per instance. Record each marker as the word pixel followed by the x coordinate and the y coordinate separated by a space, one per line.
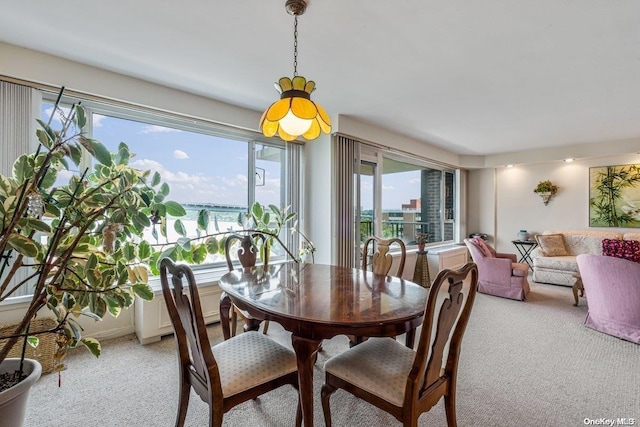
pixel 198 168
pixel 208 169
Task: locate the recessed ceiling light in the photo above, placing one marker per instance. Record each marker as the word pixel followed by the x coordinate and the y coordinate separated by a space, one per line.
pixel 509 166
pixel 569 160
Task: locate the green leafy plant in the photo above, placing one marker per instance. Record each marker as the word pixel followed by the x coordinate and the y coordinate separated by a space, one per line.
pixel 607 206
pixel 272 220
pixel 421 238
pixel 546 187
pixel 81 243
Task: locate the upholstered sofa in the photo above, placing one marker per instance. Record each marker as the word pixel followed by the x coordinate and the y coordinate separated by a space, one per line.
pixel 554 260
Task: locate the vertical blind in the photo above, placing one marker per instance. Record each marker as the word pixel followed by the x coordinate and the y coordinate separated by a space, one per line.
pixel 18 111
pixel 345 151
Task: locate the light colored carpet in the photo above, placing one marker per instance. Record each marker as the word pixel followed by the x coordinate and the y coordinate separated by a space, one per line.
pixel 527 363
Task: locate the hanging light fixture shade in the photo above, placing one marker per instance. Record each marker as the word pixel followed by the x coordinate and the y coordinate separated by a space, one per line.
pixel 295 114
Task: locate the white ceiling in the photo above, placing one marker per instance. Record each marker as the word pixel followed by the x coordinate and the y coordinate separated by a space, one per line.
pixel 473 76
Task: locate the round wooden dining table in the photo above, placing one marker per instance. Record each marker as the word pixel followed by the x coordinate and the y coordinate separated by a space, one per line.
pixel 316 302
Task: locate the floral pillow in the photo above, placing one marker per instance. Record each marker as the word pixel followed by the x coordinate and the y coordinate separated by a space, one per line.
pixel 625 249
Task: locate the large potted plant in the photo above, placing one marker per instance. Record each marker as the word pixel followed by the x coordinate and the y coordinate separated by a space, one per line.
pixel 80 242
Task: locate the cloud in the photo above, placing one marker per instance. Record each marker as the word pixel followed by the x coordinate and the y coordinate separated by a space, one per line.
pixel 97 120
pixel 157 129
pixel 197 188
pixel 180 155
pixel 387 187
pixel 414 181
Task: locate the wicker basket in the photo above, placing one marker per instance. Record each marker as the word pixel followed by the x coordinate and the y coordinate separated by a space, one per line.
pixel 44 352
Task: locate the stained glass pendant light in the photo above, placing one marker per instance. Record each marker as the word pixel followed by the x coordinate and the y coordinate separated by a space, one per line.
pixel 295 114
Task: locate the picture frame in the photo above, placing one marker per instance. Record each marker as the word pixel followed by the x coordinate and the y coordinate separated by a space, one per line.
pixel 614 196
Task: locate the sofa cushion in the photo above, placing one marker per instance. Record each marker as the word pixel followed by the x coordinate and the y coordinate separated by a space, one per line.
pixel 552 244
pixel 625 249
pixel 564 263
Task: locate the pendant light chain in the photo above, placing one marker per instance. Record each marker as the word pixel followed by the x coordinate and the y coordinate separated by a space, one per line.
pixel 295 45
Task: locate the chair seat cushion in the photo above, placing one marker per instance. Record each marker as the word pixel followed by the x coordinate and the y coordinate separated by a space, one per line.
pixel 250 359
pixel 378 365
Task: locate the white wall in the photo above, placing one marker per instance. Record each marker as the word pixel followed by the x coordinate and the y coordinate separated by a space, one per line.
pixel 517 207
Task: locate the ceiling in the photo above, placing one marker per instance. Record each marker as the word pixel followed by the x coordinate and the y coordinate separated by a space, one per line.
pixel 475 77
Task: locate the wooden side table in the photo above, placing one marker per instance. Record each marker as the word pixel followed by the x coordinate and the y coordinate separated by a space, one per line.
pixel 578 287
pixel 421 272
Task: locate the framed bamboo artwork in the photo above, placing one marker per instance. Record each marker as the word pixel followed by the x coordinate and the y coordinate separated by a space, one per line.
pixel 614 196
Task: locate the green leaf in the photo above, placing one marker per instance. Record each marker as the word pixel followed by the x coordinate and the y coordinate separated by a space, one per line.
pixel 129 251
pixel 34 224
pixel 22 170
pixel 44 138
pixel 49 178
pixel 23 245
pixel 144 250
pixel 141 220
pixel 80 117
pixel 164 189
pixel 143 291
pixel 212 245
pixel 93 345
pixel 47 129
pixel 170 253
pixel 256 210
pixel 33 341
pixel 155 179
pixel 97 150
pixel 203 219
pixel 94 277
pixel 184 243
pixel 179 227
pixel 98 306
pixel 75 153
pixel 199 254
pixel 174 209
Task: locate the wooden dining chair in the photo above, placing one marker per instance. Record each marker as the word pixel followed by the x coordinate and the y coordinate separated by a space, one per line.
pixel 247 255
pixel 399 380
pixel 381 259
pixel 381 262
pixel 229 373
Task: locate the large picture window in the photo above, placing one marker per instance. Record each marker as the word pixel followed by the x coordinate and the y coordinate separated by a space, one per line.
pixel 223 172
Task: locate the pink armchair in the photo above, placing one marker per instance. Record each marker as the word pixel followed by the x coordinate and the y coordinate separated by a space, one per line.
pixel 498 274
pixel 612 288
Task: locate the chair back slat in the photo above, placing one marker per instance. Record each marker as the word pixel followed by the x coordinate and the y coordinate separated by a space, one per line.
pixel 194 349
pixel 382 259
pixel 452 316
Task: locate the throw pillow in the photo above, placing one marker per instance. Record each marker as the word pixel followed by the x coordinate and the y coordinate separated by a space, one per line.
pixel 552 244
pixel 486 250
pixel 625 249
